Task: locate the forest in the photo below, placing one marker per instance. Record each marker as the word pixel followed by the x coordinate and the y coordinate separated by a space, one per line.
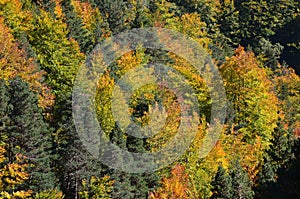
pixel 254 46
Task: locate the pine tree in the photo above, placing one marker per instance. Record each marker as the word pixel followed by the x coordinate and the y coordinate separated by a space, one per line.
pixel 222 185
pixel 73 162
pixel 76 28
pixel 4 119
pixel 122 185
pixel 119 14
pixel 241 183
pixel 29 135
pixel 142 183
pixel 138 181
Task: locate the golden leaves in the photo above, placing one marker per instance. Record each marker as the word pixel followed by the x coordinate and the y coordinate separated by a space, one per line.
pixel 15 62
pixel 11 175
pixel 174 187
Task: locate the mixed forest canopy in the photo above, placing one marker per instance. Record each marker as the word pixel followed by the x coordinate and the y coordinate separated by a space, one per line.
pixel 254 43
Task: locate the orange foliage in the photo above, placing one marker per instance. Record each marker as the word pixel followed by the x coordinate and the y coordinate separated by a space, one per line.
pixel 14 62
pixel 58 9
pixel 174 187
pixel 86 12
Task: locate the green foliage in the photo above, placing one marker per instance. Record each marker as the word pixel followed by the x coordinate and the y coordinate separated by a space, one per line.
pixel 250 91
pixel 269 53
pixel 16 62
pixel 241 183
pixel 58 56
pixel 49 194
pixel 85 24
pixel 97 188
pixel 262 18
pixel 128 185
pixel 28 134
pixel 222 185
pixel 119 14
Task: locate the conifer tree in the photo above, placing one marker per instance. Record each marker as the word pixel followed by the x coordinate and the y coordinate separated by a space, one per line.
pixel 241 183
pixel 122 186
pixel 73 162
pixel 76 27
pixel 130 185
pixel 28 134
pixel 222 185
pixel 4 119
pixel 138 181
pixel 119 14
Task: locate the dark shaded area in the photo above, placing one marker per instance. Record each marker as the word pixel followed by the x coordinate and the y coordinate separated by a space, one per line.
pixel 288 184
pixel 290 34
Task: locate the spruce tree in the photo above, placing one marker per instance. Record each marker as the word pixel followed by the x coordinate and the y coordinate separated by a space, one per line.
pixel 138 181
pixel 76 28
pixel 142 183
pixel 29 135
pixel 222 185
pixel 122 187
pixel 4 101
pixel 241 183
pixel 119 14
pixel 73 162
pixel 130 185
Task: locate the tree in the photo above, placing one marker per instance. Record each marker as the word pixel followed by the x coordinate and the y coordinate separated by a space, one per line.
pixel 76 27
pixel 49 41
pixel 282 150
pixel 122 185
pixel 4 119
pixel 16 18
pixel 85 24
pixel 119 14
pixel 53 194
pixel 250 92
pixel 175 186
pixel 129 185
pixel 253 19
pixel 28 134
pixel 241 183
pixel 222 185
pixel 97 188
pixel 15 62
pixel 13 176
pixel 206 8
pixel 139 182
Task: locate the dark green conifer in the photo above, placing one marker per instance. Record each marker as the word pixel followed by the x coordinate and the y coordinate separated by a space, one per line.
pixel 29 135
pixel 4 119
pixel 122 185
pixel 222 185
pixel 241 183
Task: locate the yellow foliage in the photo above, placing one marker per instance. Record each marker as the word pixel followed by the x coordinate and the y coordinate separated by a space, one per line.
pixel 251 94
pixel 255 103
pixel 87 13
pixel 58 9
pixel 11 175
pixel 14 62
pixel 15 17
pixel 174 187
